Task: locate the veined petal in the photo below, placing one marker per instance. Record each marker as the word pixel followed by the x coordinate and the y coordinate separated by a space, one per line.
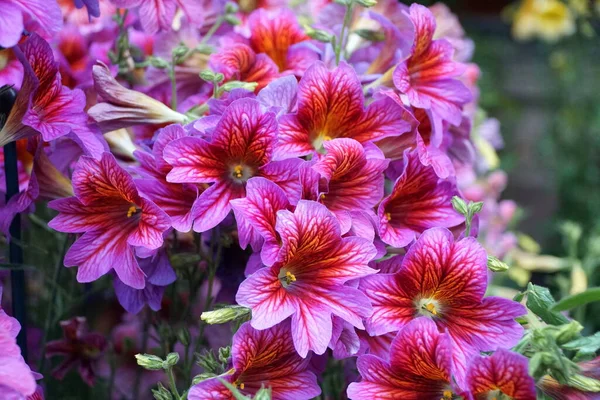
pixel 280 96
pixel 193 160
pixel 419 200
pixel 151 226
pixel 311 328
pixel 240 62
pixel 213 205
pixel 505 371
pixel 263 293
pixel 285 174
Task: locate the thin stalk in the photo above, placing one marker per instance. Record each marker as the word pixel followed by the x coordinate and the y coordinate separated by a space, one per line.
pixel 138 375
pixel 341 43
pixel 172 384
pixel 173 83
pixel 212 30
pixel 58 267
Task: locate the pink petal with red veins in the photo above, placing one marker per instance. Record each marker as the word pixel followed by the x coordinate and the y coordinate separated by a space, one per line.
pixel 151 226
pixel 103 179
pixel 46 16
pixel 97 252
pixel 157 15
pixel 212 389
pixel 285 174
pixel 311 328
pixel 194 160
pixel 165 136
pixel 419 200
pixel 213 205
pixel 503 370
pixel 75 217
pixel 425 25
pixel 263 292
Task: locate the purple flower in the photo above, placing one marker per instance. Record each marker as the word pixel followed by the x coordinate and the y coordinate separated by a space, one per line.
pixel 40 16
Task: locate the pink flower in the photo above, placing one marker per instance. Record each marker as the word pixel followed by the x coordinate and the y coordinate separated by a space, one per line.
pixel 420 367
pixel 307 281
pixel 40 16
pixel 16 379
pixel 503 373
pixel 79 348
pixel 330 106
pixel 157 15
pixel 427 79
pixel 241 147
pixel 44 106
pixel 445 281
pixel 113 218
pixel 419 200
pixel 263 358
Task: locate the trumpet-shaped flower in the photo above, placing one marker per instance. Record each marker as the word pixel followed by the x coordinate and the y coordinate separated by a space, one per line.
pixel 331 105
pixel 239 62
pixel 122 107
pixel 280 37
pixel 43 105
pixel 419 200
pixel 428 78
pixel 419 368
pixel 263 358
pixel 113 218
pixel 352 178
pixel 176 199
pixel 445 281
pixel 79 348
pixel 241 147
pixel 307 281
pixel 158 15
pixel 503 373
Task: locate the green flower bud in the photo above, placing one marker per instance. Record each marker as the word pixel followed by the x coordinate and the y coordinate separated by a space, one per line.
pixel 372 36
pixel 229 86
pixel 320 35
pixel 207 75
pixel 149 361
pixel 159 63
pixel 180 51
pixel 231 8
pixel 219 77
pixel 474 208
pixel 161 393
pixel 232 20
pixel 171 360
pixel 202 377
pixel 184 336
pixel 209 363
pixel 223 315
pixel 459 205
pixel 366 3
pixel 495 265
pixel 568 332
pixel 224 354
pixel 263 394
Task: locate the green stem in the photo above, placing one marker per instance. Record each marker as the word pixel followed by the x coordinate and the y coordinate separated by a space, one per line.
pixel 173 84
pixel 212 30
pixel 172 384
pixel 57 271
pixel 341 43
pixel 138 375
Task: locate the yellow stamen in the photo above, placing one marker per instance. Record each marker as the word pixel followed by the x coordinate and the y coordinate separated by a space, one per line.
pixel 326 137
pixel 242 386
pixel 238 171
pixel 132 210
pixel 447 395
pixel 289 277
pixel 431 308
pixel 388 216
pixel 322 197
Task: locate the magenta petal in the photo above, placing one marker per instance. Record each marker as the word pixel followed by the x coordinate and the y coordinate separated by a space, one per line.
pixel 311 328
pixel 213 205
pixel 11 25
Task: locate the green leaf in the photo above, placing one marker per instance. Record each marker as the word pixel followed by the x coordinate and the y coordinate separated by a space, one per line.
pixel 588 344
pixel 540 302
pixel 579 299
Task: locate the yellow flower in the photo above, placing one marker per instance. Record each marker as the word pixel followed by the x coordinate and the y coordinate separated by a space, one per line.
pixel 547 19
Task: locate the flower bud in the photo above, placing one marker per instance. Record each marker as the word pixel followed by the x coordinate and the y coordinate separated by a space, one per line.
pixel 366 3
pixel 184 336
pixel 232 20
pixel 495 265
pixel 474 208
pixel 459 205
pixel 231 8
pixel 202 377
pixel 224 354
pixel 207 75
pixel 223 315
pixel 159 63
pixel 229 86
pixel 171 360
pixel 149 361
pixel 263 394
pixel 180 51
pixel 372 36
pixel 566 333
pixel 161 393
pixel 320 35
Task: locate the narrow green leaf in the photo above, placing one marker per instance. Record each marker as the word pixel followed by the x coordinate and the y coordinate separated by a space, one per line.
pixel 587 344
pixel 579 299
pixel 540 302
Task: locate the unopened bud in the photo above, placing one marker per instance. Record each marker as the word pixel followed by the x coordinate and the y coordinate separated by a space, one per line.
pixel 223 315
pixel 496 265
pixel 159 63
pixel 320 35
pixel 184 336
pixel 568 332
pixel 171 360
pixel 584 383
pixel 475 207
pixel 372 36
pixel 149 361
pixel 180 51
pixel 202 377
pixel 459 205
pixel 207 75
pixel 231 8
pixel 232 20
pixel 366 3
pixel 224 354
pixel 219 77
pixel 229 86
pixel 161 393
pixel 263 394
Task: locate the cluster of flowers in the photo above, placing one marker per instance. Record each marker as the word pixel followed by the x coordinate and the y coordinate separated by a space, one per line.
pixel 334 148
